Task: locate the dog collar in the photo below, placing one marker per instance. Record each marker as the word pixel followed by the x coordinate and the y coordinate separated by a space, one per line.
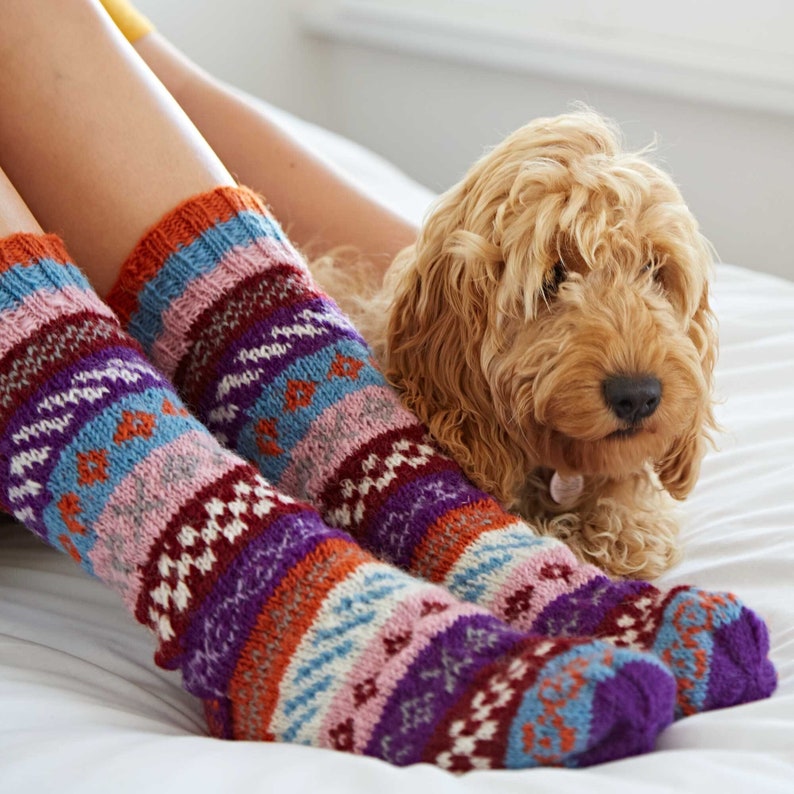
pixel 566 490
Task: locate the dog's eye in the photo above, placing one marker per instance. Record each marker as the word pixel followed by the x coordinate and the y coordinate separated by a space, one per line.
pixel 554 278
pixel 651 269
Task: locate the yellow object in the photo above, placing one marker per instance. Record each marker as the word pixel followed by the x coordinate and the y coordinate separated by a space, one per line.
pixel 128 19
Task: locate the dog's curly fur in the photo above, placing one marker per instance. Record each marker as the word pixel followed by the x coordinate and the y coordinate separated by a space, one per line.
pixel 559 261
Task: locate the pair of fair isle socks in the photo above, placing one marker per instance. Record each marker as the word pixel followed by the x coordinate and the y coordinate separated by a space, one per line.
pixel 276 617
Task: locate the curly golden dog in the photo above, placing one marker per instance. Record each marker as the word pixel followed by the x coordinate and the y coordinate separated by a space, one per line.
pixel 552 327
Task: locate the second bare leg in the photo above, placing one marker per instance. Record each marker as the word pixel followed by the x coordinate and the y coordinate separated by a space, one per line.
pixel 320 207
pixel 93 142
pixel 14 213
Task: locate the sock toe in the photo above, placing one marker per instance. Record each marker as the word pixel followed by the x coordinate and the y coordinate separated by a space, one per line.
pixel 589 704
pixel 741 671
pixel 625 701
pixel 633 709
pixel 717 650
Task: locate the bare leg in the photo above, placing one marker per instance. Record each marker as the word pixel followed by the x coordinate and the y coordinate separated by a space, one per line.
pixel 319 206
pixel 14 213
pixel 95 145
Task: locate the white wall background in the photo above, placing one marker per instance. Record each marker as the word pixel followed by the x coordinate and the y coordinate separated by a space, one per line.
pixel 713 80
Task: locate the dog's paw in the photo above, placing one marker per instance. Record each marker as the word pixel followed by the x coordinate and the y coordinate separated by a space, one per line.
pixel 628 540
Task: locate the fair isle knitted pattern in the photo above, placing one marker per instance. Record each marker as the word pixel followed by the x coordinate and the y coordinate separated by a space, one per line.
pixel 285 627
pixel 225 305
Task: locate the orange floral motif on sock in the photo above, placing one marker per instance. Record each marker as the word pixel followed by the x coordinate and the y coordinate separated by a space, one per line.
pixel 549 736
pixel 689 626
pixel 266 435
pixel 92 467
pixel 344 367
pixel 70 548
pixel 169 409
pixel 69 507
pixel 299 394
pixel 134 424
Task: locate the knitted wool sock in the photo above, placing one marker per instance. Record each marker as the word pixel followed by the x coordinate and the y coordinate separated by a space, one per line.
pixel 285 627
pixel 224 304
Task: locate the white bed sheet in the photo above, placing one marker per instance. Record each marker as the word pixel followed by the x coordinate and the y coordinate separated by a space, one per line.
pixel 84 709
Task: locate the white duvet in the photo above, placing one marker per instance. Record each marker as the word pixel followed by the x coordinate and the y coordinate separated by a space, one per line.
pixel 84 709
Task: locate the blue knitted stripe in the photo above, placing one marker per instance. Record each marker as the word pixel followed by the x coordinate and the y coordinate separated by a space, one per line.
pixel 328 392
pixel 358 607
pixel 121 460
pixel 191 262
pixel 484 560
pixel 559 717
pixel 48 276
pixel 686 642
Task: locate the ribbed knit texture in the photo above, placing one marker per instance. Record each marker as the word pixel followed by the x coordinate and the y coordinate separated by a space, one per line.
pixel 285 627
pixel 224 304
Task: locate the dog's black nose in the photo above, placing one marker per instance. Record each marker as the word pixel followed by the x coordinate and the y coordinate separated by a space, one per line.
pixel 632 398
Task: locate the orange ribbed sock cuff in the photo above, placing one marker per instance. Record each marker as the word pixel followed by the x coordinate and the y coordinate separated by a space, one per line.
pixel 176 229
pixel 131 22
pixel 25 247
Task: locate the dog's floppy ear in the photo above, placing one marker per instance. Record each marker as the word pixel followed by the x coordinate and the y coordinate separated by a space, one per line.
pixel 680 468
pixel 439 319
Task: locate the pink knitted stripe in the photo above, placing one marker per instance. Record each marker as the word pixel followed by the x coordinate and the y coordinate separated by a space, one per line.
pixel 123 540
pixel 39 308
pixel 204 292
pixel 362 423
pixel 534 577
pixel 420 617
